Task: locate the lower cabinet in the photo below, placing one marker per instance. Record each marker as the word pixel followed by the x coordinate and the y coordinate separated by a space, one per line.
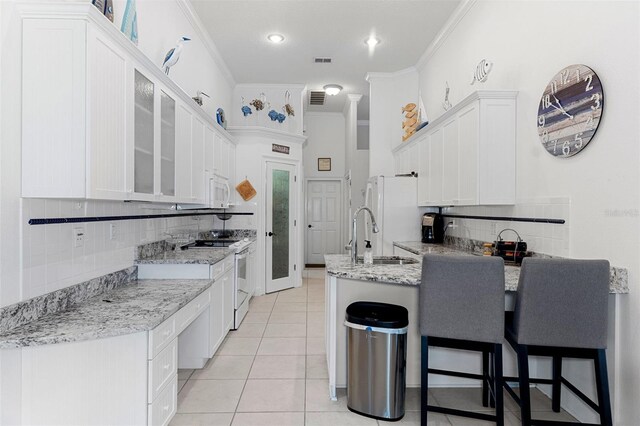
pixel 217 330
pixel 228 310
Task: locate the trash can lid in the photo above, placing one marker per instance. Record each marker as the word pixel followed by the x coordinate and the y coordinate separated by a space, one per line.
pixel 375 314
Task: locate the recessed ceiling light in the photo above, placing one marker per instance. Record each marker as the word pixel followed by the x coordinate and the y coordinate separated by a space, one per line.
pixel 275 38
pixel 372 41
pixel 332 89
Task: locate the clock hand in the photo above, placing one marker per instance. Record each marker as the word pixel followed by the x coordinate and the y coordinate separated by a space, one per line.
pixel 562 111
pixel 561 107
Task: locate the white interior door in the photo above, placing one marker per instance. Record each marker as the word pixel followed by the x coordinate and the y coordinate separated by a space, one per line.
pixel 323 220
pixel 280 241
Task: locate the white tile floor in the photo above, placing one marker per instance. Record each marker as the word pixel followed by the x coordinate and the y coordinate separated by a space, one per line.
pixel 272 371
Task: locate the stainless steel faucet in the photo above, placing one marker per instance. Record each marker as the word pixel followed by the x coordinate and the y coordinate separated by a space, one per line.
pixel 354 232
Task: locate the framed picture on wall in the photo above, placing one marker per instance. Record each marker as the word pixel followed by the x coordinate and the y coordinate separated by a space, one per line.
pixel 324 164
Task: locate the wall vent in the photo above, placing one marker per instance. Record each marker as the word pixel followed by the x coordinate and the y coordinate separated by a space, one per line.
pixel 316 97
pixel 322 60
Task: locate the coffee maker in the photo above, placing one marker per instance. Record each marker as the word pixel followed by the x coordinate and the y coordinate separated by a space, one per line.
pixel 432 228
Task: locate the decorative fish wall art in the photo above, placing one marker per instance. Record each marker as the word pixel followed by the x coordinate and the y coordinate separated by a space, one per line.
pixel 246 110
pixel 482 71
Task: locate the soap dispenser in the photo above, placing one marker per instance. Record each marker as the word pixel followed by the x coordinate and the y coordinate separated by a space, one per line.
pixel 368 253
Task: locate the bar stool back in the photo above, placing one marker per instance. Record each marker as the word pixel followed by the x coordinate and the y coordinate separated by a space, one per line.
pixel 561 311
pixel 462 307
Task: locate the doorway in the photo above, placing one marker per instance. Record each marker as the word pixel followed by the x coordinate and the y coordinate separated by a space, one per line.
pixel 324 224
pixel 280 227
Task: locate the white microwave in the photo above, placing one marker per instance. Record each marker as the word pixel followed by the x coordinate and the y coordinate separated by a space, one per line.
pixel 219 192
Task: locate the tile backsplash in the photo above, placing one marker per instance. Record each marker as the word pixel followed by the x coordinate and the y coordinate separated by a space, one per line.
pixel 543 238
pixel 52 260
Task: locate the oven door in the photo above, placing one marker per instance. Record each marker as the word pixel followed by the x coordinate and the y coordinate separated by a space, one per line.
pixel 242 280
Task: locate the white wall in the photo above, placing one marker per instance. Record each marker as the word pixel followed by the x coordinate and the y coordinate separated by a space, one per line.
pixel 275 98
pixel 325 138
pixel 160 26
pixel 389 93
pixel 596 191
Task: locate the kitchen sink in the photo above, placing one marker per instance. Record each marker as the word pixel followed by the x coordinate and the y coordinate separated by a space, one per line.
pixel 390 260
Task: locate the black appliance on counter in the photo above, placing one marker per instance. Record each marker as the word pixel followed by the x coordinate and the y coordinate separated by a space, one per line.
pixel 432 228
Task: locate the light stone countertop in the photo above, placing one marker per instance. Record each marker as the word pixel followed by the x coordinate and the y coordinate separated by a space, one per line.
pixel 136 307
pixel 340 266
pixel 204 256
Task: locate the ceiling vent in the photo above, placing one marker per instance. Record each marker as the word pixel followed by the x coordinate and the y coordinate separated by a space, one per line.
pixel 322 60
pixel 316 97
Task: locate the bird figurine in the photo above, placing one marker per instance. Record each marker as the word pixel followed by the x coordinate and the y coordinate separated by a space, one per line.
pixel 174 54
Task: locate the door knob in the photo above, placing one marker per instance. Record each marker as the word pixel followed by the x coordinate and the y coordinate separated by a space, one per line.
pixel 271 234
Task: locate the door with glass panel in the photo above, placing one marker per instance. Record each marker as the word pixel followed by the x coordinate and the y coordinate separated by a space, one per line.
pixel 280 239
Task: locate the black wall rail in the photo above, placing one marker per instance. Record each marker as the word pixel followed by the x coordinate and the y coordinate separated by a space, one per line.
pixel 56 220
pixel 507 218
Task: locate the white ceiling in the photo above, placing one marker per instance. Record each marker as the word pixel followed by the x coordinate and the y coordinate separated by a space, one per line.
pixel 326 28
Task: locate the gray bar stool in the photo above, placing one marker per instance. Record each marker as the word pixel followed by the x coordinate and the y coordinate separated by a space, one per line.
pixel 561 311
pixel 462 307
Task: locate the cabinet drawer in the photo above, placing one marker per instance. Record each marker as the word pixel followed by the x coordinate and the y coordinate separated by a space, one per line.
pixel 161 336
pixel 162 368
pixel 217 270
pixel 189 312
pixel 164 407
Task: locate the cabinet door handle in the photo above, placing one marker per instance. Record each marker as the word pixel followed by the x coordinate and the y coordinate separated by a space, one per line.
pixel 270 234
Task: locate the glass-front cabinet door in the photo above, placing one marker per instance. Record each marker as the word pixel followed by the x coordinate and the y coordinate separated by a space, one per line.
pixel 167 145
pixel 143 134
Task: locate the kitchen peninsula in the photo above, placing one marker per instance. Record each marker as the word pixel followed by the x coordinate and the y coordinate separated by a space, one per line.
pixel 399 284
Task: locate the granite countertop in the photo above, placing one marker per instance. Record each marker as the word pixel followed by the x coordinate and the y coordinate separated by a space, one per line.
pixel 191 256
pixel 139 306
pixel 340 266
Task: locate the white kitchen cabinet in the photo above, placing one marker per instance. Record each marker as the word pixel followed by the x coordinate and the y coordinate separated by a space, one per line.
pixel 423 171
pixel 228 308
pixel 216 316
pixel 74 86
pixel 197 162
pixel 112 125
pixel 450 155
pixel 436 167
pixel 144 169
pixel 467 155
pixel 183 154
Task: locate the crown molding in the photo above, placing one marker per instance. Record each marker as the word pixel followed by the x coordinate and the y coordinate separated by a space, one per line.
pixel 188 11
pixel 376 75
pixel 354 97
pixel 446 31
pixel 265 132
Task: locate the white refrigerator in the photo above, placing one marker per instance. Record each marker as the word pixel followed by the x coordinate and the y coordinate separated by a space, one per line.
pixel 394 202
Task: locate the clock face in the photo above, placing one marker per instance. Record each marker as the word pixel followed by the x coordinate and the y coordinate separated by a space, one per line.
pixel 570 110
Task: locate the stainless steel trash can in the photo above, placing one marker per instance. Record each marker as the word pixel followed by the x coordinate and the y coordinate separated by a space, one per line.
pixel 376 359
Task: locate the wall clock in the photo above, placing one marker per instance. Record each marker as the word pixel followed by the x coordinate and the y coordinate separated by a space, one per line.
pixel 570 110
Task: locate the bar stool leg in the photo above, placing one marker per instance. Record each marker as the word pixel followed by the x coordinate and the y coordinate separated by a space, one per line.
pixel 557 384
pixel 523 374
pixel 498 384
pixel 485 378
pixel 424 380
pixel 602 383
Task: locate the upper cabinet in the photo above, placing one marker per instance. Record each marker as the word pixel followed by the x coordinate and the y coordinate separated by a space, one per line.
pixel 467 155
pixel 100 121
